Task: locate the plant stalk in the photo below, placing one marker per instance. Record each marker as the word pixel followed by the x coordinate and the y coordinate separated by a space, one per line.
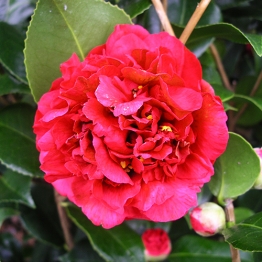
pixel 230 217
pixel 220 67
pixel 163 17
pixel 64 221
pixel 200 9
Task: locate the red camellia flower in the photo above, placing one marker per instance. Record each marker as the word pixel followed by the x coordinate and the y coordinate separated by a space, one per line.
pixel 157 244
pixel 132 131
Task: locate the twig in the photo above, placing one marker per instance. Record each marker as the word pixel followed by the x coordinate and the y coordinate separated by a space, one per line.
pixel 163 17
pixel 64 221
pixel 230 216
pixel 165 4
pixel 201 7
pixel 220 67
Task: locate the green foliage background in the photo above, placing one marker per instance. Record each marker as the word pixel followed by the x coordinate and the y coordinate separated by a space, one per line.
pixel 31 229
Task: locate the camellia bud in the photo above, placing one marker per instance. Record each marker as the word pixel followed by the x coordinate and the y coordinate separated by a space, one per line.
pixel 208 219
pixel 157 244
pixel 258 182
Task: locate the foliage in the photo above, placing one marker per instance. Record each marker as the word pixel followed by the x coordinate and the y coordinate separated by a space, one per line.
pixel 55 30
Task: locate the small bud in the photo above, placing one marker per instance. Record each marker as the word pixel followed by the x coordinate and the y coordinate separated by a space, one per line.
pixel 157 244
pixel 208 219
pixel 258 182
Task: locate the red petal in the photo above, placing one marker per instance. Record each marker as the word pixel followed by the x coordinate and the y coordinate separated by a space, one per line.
pixel 107 166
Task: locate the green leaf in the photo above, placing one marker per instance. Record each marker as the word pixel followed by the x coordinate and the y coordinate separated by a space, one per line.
pixel 6 212
pixel 251 199
pixel 246 235
pixel 134 7
pixel 224 4
pixel 221 91
pixel 11 51
pixel 225 31
pixel 82 251
pixel 17 141
pixel 179 12
pixel 257 257
pixel 7 86
pixel 43 222
pixel 199 249
pixel 236 170
pixel 117 244
pixel 253 112
pixel 15 187
pixel 59 29
pixel 242 213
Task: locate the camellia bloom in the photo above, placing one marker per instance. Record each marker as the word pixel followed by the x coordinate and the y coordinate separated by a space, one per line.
pixel 208 219
pixel 157 244
pixel 132 131
pixel 258 182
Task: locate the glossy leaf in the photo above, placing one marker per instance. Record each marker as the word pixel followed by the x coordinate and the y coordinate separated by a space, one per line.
pixel 242 213
pixel 179 12
pixel 199 249
pixel 253 112
pixel 71 28
pixel 17 141
pixel 82 251
pixel 221 91
pixel 210 73
pixel 15 187
pixel 246 235
pixel 225 31
pixel 6 212
pixel 251 199
pixel 224 4
pixel 134 7
pixel 43 222
pixel 8 86
pixel 11 51
pixel 236 170
pixel 117 244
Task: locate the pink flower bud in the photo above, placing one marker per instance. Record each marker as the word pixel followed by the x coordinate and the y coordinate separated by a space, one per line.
pixel 258 182
pixel 157 244
pixel 208 219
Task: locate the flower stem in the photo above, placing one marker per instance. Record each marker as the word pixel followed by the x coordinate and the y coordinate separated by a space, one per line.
pixel 165 4
pixel 230 216
pixel 200 9
pixel 64 221
pixel 163 17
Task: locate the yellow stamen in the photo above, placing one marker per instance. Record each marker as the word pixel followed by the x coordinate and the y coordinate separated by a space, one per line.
pixel 140 87
pixel 149 117
pixel 141 159
pixel 123 164
pixel 166 128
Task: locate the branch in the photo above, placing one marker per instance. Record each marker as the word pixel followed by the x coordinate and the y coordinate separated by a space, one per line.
pixel 200 9
pixel 230 216
pixel 163 17
pixel 64 221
